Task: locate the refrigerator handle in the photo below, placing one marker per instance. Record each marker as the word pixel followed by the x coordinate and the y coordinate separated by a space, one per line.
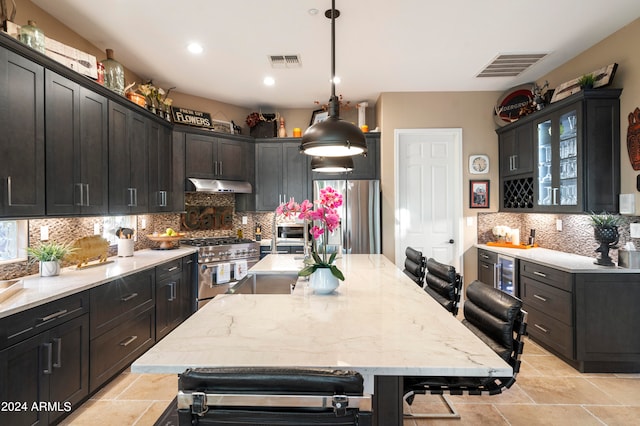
pixel 497 274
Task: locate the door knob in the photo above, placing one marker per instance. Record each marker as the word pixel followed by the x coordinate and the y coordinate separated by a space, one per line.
pixel 451 241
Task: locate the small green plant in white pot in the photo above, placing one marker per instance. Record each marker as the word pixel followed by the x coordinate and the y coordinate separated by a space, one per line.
pixel 49 254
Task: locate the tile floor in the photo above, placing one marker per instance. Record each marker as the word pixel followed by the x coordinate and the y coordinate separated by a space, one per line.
pixel 547 392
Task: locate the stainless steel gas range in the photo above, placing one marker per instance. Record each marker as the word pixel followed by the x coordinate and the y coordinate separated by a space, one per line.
pixel 220 260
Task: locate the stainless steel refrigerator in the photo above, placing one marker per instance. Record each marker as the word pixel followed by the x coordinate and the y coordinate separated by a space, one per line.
pixel 359 231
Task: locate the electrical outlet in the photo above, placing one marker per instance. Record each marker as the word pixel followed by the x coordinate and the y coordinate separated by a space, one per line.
pixel 44 233
pixel 143 224
pixel 469 220
pixel 96 229
pixel 558 224
pixel 245 220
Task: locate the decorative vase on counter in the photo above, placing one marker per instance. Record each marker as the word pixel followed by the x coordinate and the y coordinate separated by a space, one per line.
pixel 608 237
pixel 32 36
pixel 49 268
pixel 113 74
pixel 322 281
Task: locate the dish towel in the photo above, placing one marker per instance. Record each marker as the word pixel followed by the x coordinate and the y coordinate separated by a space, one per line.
pixel 240 270
pixel 224 273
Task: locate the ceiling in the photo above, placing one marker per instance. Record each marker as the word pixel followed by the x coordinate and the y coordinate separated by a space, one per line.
pixel 381 45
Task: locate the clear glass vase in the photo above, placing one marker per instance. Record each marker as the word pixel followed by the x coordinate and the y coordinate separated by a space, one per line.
pixel 32 36
pixel 113 74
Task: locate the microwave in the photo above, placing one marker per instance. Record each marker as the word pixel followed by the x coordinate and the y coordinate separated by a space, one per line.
pixel 290 232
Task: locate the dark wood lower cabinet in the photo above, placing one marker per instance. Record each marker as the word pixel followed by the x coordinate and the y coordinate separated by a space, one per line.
pixel 587 319
pixel 122 324
pixel 44 377
pixel 117 348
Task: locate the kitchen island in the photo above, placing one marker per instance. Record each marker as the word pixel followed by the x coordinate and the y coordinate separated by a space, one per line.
pixel 378 322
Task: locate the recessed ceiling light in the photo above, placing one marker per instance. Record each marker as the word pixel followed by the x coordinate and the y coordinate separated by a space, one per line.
pixel 313 11
pixel 336 79
pixel 269 81
pixel 195 48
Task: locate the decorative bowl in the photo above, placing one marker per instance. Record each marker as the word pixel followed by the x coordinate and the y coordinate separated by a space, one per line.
pixel 137 98
pixel 166 241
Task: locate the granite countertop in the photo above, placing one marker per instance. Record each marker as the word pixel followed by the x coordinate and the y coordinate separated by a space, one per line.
pixel 377 322
pixel 40 290
pixel 567 262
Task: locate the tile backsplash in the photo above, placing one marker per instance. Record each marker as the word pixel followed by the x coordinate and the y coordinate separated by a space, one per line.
pixel 67 230
pixel 576 235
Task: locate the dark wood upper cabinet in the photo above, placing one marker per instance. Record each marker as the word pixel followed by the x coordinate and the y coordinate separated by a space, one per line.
pixel 215 157
pixel 22 135
pixel 76 148
pixel 128 161
pixel 572 152
pixel 160 169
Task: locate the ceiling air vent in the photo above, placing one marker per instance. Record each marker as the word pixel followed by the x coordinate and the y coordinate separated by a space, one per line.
pixel 510 65
pixel 285 61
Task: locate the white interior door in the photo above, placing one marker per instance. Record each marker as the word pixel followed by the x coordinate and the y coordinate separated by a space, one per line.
pixel 429 193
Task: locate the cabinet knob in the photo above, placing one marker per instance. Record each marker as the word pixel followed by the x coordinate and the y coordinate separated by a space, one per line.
pixel 451 241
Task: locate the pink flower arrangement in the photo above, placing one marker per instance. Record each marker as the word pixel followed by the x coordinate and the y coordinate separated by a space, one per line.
pixel 327 215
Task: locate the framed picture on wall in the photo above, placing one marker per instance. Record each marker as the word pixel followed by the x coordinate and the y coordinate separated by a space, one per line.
pixel 478 194
pixel 318 116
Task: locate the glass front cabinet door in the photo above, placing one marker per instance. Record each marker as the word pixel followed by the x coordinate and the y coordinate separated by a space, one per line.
pixel 558 174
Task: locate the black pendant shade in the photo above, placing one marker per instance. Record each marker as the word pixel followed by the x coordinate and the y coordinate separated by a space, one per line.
pixel 332 164
pixel 333 137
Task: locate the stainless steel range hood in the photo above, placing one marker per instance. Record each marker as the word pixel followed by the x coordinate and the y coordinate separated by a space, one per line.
pixel 217 186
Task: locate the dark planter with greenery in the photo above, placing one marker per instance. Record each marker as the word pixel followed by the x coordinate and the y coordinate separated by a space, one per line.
pixel 605 231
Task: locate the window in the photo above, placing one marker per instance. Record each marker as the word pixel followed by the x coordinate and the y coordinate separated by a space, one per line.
pixel 13 240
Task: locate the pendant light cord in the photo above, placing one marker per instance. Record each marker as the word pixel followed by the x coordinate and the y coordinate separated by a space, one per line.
pixel 333 102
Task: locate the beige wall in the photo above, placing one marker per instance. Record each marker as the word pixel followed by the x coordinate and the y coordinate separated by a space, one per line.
pixel 470 111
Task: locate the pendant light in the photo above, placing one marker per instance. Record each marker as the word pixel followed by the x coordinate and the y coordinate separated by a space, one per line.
pixel 333 137
pixel 332 164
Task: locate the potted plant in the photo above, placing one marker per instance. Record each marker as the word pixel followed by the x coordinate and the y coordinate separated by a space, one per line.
pixel 49 254
pixel 324 275
pixel 587 81
pixel 605 229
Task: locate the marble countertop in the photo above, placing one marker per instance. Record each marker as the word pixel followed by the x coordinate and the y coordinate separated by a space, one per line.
pixel 277 264
pixel 378 322
pixel 40 290
pixel 567 262
pixel 267 243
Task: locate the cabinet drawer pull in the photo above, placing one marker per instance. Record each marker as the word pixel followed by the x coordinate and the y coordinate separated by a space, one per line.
pixel 485 266
pixel 49 357
pixel 484 256
pixel 540 274
pixel 540 298
pixel 172 291
pixel 129 341
pixel 86 201
pixel 53 316
pixel 173 268
pixel 58 342
pixel 539 327
pixel 129 297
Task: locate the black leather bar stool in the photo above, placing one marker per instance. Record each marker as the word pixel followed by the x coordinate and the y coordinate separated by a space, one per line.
pixel 272 396
pixel 498 320
pixel 414 265
pixel 444 285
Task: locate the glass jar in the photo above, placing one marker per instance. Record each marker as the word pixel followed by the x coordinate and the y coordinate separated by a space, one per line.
pixel 32 36
pixel 113 74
